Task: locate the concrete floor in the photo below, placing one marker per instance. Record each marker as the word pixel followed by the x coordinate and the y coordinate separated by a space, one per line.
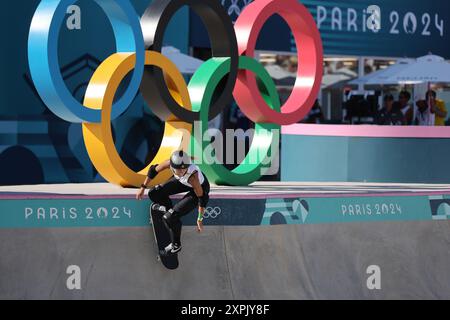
pixel 276 262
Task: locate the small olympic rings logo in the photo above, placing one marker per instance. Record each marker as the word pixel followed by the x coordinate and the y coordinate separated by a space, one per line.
pixel 231 72
pixel 212 213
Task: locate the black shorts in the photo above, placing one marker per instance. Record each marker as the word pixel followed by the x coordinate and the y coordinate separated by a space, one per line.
pixel 161 195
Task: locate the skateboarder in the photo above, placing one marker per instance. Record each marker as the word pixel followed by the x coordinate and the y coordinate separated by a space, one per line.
pixel 187 177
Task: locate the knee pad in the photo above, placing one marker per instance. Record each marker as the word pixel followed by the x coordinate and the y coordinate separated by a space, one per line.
pixel 158 207
pixel 168 215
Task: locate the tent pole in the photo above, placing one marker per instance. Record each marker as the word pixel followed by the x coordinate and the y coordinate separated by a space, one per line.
pixel 429 99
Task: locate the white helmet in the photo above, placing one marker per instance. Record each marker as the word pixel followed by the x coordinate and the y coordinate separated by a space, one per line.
pixel 180 160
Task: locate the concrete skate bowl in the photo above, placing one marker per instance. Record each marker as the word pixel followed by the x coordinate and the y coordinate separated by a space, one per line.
pixel 326 261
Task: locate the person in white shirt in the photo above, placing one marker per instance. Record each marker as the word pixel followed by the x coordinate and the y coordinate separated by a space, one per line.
pixel 423 115
pixel 406 108
pixel 187 177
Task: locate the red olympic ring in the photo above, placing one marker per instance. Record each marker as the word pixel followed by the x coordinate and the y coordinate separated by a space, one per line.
pixel 310 61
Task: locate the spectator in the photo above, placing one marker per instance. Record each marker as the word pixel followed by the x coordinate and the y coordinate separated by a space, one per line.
pixel 315 115
pixel 437 108
pixel 390 114
pixel 406 108
pixel 423 115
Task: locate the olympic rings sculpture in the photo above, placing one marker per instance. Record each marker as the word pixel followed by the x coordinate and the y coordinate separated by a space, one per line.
pixel 231 72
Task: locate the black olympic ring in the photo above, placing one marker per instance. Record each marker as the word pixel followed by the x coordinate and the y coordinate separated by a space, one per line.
pixel 223 43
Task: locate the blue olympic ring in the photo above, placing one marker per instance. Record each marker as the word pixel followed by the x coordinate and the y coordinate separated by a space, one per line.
pixel 44 65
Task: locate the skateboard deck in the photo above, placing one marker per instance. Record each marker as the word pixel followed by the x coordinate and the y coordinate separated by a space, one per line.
pixel 162 239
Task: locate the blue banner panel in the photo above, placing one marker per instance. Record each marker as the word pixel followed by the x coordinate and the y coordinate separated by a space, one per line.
pixel 408 28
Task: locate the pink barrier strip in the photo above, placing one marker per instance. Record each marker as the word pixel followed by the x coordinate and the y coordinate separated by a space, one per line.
pixel 366 131
pixel 241 196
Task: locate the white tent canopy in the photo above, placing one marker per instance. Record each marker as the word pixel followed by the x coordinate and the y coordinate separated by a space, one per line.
pixel 331 79
pixel 427 69
pixel 383 76
pixel 278 73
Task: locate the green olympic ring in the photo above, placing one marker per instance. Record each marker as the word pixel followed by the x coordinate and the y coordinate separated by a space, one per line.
pixel 201 89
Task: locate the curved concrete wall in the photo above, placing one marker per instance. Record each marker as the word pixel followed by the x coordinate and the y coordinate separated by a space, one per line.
pixel 274 262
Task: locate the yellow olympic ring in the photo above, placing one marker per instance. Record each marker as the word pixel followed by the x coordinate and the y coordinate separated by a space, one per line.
pixel 98 136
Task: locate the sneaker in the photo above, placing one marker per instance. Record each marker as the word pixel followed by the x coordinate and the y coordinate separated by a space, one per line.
pixel 169 248
pixel 175 248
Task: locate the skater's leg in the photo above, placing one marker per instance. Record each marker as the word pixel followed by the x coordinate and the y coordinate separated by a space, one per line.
pixel 189 202
pixel 168 224
pixel 160 196
pixel 172 217
pixel 161 193
pixel 182 208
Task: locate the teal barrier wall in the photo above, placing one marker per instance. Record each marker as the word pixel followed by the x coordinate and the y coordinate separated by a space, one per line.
pixel 76 213
pixel 359 159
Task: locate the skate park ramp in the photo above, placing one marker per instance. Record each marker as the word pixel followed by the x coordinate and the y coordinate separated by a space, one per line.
pixel 326 261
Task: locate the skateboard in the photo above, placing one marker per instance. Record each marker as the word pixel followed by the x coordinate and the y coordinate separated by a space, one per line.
pixel 162 240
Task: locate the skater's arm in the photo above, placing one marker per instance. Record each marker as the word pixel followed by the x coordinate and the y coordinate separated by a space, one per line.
pixel 195 183
pixel 152 173
pixel 163 166
pixel 155 169
pixel 144 186
pixel 146 182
